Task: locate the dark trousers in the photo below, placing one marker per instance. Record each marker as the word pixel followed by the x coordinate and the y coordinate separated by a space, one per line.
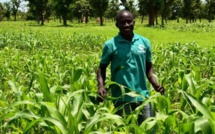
pixel 125 109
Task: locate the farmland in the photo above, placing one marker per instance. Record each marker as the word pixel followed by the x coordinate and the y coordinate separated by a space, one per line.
pixel 48 81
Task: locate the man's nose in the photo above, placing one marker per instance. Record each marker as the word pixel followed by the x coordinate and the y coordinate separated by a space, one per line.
pixel 126 24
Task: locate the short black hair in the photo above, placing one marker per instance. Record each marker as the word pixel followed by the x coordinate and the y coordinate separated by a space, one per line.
pixel 121 12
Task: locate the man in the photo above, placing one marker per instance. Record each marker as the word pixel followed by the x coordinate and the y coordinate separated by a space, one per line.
pixel 131 63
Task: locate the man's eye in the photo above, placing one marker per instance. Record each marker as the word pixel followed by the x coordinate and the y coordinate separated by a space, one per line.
pixel 124 22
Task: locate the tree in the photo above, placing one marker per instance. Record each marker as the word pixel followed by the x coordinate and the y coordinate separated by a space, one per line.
pixel 142 9
pixel 2 10
pixel 81 9
pixel 166 10
pixel 15 7
pixel 199 9
pixel 177 10
pixel 152 8
pixel 128 4
pixel 188 10
pixel 100 6
pixel 38 8
pixel 8 8
pixel 210 9
pixel 113 8
pixel 62 8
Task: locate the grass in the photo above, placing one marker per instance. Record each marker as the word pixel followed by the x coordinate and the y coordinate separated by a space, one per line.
pixel 48 81
pixel 172 33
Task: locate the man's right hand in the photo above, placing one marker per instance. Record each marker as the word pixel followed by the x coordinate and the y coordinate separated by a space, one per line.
pixel 102 92
pixel 101 76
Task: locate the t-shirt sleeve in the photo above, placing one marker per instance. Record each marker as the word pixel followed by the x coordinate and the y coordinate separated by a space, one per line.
pixel 148 52
pixel 106 52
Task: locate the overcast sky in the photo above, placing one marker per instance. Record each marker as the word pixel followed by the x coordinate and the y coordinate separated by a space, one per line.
pixel 3 1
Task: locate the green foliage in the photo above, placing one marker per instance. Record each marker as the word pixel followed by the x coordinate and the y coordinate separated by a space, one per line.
pixel 48 85
pixel 112 10
pixel 62 8
pixel 100 7
pixel 81 9
pixel 38 8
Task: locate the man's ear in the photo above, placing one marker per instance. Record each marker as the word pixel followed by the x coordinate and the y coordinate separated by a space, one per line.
pixel 116 24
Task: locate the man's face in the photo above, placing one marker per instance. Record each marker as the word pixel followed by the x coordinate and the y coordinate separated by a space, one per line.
pixel 125 23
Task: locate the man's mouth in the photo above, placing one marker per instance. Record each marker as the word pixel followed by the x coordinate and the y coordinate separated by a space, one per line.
pixel 127 29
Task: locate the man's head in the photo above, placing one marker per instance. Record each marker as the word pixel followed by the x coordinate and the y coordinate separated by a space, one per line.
pixel 125 22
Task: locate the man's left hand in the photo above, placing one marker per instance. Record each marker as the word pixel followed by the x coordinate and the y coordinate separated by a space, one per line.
pixel 160 89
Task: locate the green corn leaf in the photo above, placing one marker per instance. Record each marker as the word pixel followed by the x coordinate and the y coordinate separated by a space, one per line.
pixel 203 125
pixel 77 104
pixel 44 87
pixel 28 114
pixel 99 118
pixel 76 74
pixel 54 113
pixel 25 102
pixel 187 128
pixel 203 109
pixel 170 124
pixel 6 116
pixel 190 81
pixel 184 84
pixel 199 106
pixel 13 86
pixel 72 122
pixel 61 104
pixel 148 123
pixel 58 124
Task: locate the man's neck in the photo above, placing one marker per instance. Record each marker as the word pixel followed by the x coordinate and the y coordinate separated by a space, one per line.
pixel 128 37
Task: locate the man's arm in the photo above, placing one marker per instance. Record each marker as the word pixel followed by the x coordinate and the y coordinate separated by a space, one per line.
pixel 150 75
pixel 101 76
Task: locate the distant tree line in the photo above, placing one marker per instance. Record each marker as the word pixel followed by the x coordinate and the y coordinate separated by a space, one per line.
pixel 81 10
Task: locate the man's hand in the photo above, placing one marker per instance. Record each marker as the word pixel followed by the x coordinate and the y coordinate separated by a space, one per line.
pixel 160 89
pixel 150 72
pixel 102 92
pixel 101 76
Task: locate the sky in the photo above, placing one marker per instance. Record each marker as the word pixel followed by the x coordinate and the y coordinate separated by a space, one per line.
pixel 3 1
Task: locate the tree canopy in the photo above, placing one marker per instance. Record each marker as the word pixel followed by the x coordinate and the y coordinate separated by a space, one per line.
pixel 82 10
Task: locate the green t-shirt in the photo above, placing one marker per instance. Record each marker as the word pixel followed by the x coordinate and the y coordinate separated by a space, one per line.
pixel 128 65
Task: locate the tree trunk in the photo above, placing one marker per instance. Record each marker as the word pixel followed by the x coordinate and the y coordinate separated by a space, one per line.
pixel 60 19
pixel 86 18
pixel 142 17
pixel 101 20
pixel 42 18
pixel 151 19
pixel 162 21
pixel 186 20
pixel 15 17
pixel 209 18
pixel 81 19
pixel 64 21
pixel 156 19
pixel 151 14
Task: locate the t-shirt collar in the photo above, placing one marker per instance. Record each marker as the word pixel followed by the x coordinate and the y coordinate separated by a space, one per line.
pixel 121 39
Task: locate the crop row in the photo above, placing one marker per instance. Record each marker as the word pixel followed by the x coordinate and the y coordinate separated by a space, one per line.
pixel 48 85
